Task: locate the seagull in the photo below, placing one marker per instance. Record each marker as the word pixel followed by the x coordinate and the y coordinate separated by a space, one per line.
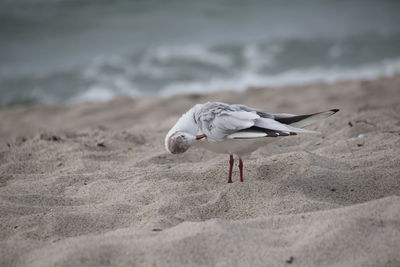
pixel 235 129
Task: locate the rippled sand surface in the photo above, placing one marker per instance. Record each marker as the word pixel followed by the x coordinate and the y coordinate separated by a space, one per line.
pixel 91 185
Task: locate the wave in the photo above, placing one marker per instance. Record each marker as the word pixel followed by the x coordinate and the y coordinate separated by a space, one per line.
pixel 180 69
pixel 386 68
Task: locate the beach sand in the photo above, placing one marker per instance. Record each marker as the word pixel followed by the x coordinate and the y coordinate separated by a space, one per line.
pixel 90 184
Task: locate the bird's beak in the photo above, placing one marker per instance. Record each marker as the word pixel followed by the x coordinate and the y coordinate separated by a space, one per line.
pixel 201 136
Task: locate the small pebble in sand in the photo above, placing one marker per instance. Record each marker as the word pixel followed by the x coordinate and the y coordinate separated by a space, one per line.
pixel 101 144
pixel 290 260
pixel 48 137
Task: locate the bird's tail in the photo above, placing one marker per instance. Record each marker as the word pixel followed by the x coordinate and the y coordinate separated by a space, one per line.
pixel 300 121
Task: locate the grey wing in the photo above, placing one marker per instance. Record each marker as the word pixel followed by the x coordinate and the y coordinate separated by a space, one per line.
pixel 262 127
pixel 303 120
pixel 219 121
pixel 261 113
pixel 290 119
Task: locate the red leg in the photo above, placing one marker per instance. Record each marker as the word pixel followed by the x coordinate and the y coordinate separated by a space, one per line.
pixel 230 168
pixel 241 169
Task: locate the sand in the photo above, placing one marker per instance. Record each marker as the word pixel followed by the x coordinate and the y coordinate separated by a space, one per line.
pixel 91 184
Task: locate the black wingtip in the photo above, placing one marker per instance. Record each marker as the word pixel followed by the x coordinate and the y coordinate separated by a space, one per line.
pixel 335 110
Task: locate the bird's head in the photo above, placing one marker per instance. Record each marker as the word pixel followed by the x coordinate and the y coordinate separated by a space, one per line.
pixel 179 142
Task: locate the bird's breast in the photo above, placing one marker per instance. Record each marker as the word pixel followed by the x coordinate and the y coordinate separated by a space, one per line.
pixel 234 146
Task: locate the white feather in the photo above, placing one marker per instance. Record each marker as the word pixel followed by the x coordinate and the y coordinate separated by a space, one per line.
pixel 275 125
pixel 246 135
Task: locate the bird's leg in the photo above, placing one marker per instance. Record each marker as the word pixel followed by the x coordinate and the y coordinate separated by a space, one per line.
pixel 230 168
pixel 241 169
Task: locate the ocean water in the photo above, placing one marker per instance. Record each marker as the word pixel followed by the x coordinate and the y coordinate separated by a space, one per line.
pixel 61 51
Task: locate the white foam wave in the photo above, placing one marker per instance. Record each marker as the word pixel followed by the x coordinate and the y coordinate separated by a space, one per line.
pixel 111 77
pixel 95 94
pixel 255 59
pixel 98 93
pixel 195 53
pixel 117 87
pixel 385 68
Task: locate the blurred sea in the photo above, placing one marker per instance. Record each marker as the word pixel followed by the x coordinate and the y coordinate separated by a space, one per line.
pixel 77 50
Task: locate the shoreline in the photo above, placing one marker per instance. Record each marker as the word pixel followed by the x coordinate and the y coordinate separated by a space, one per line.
pixel 48 110
pixel 91 184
